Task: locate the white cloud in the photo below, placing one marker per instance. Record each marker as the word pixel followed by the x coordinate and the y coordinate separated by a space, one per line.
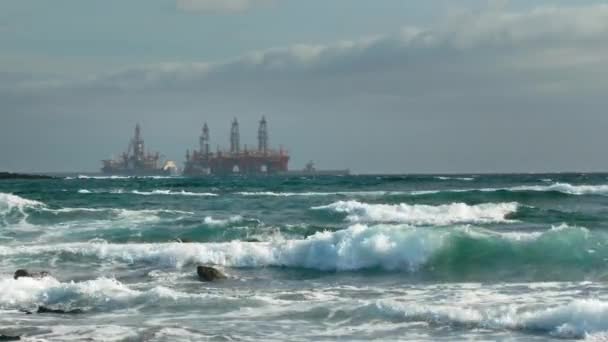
pixel 218 5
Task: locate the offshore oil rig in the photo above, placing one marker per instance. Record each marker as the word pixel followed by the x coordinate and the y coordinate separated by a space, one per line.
pixel 136 162
pixel 262 160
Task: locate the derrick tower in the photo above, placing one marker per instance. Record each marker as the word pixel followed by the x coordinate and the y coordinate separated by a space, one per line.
pixel 138 145
pixel 263 136
pixel 235 137
pixel 204 141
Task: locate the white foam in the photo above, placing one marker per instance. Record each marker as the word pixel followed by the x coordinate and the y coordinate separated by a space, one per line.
pixel 466 179
pixel 173 193
pixel 316 193
pixel 157 192
pixel 566 188
pixel 25 292
pixel 423 214
pixel 222 222
pixel 576 319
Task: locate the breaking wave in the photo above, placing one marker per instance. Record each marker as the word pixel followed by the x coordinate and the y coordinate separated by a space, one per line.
pixel 423 214
pixel 15 209
pixel 454 252
pixel 577 319
pixel 10 202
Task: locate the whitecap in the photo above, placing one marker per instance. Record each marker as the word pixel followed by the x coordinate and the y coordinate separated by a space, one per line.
pixel 419 214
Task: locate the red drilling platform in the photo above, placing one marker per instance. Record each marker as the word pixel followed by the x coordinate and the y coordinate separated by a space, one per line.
pixel 236 161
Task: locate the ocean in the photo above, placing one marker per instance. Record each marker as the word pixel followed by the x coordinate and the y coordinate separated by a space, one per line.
pixel 354 258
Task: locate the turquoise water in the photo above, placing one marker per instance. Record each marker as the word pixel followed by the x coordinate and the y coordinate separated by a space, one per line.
pixel 428 258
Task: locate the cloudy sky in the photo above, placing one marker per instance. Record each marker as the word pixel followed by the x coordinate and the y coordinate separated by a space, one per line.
pixel 393 86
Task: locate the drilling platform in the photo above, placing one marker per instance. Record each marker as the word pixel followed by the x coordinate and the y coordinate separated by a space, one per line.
pixel 136 162
pixel 262 160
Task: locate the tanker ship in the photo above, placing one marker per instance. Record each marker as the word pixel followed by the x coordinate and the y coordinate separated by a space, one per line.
pixel 136 162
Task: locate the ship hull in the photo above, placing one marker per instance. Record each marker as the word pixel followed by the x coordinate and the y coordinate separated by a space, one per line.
pixel 143 173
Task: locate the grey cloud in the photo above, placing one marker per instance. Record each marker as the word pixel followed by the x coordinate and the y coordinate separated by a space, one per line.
pixel 218 5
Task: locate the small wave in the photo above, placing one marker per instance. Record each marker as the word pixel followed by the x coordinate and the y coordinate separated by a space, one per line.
pixel 119 177
pixel 464 179
pixel 157 192
pixel 222 222
pixel 564 188
pixel 423 214
pixel 316 193
pixel 577 319
pixel 173 193
pixel 567 189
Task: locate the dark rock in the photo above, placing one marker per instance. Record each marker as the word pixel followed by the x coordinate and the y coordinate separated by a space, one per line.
pixel 25 273
pixel 10 338
pixel 9 175
pixel 206 273
pixel 253 240
pixel 44 309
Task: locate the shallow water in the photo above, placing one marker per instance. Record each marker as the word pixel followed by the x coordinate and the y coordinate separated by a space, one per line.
pixel 487 257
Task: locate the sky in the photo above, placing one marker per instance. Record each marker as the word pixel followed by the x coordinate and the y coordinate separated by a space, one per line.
pixel 387 86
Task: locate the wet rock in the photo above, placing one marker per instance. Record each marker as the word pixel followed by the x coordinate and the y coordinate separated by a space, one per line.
pixel 10 338
pixel 206 273
pixel 44 309
pixel 25 273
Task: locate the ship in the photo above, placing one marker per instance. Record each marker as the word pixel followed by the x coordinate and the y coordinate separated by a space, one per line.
pixel 236 161
pixel 261 161
pixel 311 170
pixel 136 162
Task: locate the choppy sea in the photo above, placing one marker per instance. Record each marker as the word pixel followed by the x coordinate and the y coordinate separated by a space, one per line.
pixel 390 258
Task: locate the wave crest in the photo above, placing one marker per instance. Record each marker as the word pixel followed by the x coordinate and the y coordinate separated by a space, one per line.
pixel 419 214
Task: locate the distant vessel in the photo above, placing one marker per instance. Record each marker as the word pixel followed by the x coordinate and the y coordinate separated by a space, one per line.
pixel 136 162
pixel 262 160
pixel 310 170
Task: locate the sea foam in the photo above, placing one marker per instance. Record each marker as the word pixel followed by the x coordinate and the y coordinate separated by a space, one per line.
pixel 423 214
pixel 577 319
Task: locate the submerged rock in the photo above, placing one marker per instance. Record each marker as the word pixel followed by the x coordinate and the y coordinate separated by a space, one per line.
pixel 44 309
pixel 206 273
pixel 10 338
pixel 25 273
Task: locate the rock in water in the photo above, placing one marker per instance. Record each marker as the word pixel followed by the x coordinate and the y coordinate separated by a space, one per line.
pixel 44 309
pixel 10 338
pixel 25 273
pixel 206 273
